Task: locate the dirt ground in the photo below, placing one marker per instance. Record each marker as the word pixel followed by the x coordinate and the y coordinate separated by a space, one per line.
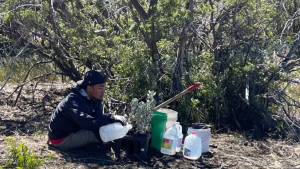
pixel 28 120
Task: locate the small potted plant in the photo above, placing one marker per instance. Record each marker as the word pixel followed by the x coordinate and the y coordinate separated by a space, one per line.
pixel 139 117
pixel 141 113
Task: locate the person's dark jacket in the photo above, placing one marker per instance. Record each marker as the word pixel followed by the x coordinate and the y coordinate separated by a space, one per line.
pixel 77 112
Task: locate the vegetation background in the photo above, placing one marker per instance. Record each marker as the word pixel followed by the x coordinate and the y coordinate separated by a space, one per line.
pixel 245 53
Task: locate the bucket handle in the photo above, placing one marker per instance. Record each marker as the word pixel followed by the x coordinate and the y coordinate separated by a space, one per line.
pixel 205 138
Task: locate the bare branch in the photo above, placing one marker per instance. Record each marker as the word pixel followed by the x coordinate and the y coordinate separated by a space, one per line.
pixel 178 72
pixel 295 44
pixel 291 65
pixel 13 65
pixel 289 119
pixel 26 76
pixel 53 17
pixel 289 103
pixel 34 78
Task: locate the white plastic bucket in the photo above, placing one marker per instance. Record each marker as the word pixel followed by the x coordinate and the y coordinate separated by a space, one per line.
pixel 171 116
pixel 204 135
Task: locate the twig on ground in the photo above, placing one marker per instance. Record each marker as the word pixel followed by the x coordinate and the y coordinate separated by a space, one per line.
pixel 44 166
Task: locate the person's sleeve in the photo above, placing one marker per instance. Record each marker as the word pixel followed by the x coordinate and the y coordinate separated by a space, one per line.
pixel 86 121
pixel 103 120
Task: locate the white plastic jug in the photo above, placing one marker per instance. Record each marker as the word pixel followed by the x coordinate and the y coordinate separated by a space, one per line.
pixel 113 131
pixel 192 147
pixel 170 141
pixel 179 135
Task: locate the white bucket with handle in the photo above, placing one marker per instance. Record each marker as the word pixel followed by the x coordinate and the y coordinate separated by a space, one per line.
pixel 171 116
pixel 204 134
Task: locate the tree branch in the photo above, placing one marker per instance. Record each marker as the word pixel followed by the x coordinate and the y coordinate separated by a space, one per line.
pixel 53 17
pixel 34 78
pixel 295 43
pixel 152 8
pixel 178 72
pixel 11 69
pixel 139 9
pixel 64 10
pixel 288 57
pixel 26 76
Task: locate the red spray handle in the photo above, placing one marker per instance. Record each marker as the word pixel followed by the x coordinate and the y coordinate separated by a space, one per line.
pixel 194 86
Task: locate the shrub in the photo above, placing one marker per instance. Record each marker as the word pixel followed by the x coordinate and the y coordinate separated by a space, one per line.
pixel 19 156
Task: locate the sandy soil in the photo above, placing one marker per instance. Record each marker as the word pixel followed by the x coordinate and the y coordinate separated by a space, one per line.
pixel 28 120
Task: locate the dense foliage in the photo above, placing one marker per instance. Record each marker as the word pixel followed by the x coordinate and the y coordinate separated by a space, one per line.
pixel 245 53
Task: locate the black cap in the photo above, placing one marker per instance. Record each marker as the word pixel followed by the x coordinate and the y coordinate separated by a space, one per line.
pixel 92 77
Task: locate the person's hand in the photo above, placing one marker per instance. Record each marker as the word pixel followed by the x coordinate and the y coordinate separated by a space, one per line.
pixel 121 119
